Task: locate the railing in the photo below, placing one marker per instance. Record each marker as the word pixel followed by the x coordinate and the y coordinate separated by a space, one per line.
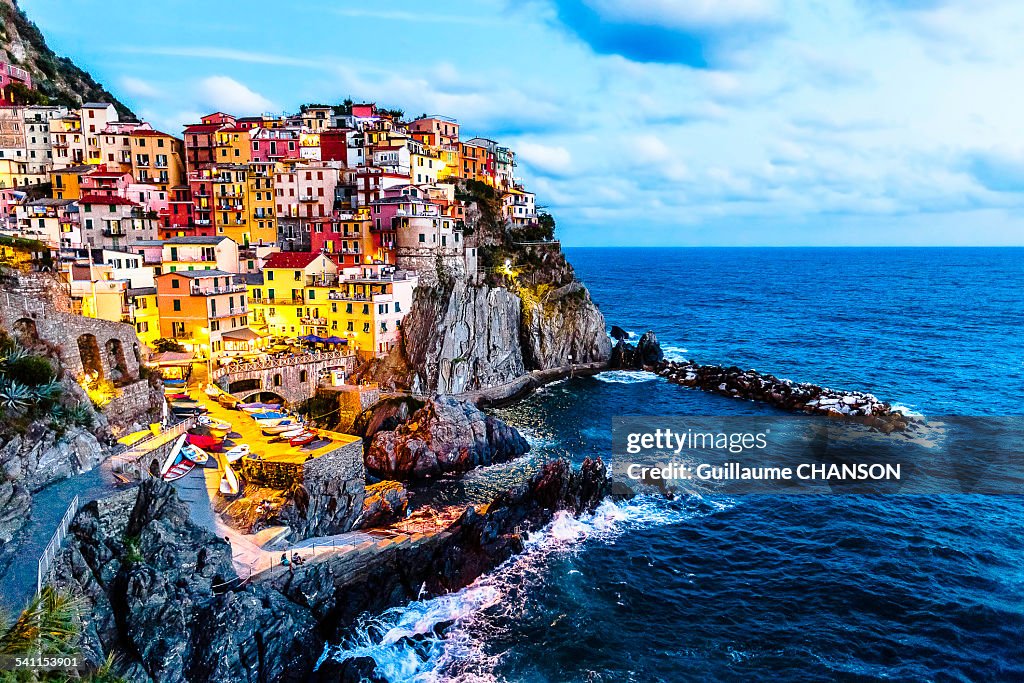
pixel 120 462
pixel 228 289
pixel 272 363
pixel 276 302
pixel 54 546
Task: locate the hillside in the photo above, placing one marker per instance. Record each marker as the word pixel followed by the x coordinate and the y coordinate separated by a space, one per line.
pixel 57 78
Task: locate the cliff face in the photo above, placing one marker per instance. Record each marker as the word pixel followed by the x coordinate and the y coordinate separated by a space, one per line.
pixel 161 593
pixel 55 77
pixel 461 337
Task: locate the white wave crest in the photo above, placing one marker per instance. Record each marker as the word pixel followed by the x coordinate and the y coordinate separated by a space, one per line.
pixel 626 377
pixel 675 353
pixel 443 638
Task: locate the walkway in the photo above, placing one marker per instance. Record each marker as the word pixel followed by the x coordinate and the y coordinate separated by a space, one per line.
pixel 48 507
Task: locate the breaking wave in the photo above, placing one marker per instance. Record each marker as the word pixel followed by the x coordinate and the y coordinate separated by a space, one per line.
pixel 446 638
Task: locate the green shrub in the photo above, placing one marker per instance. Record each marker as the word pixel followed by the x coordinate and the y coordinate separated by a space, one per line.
pixel 31 370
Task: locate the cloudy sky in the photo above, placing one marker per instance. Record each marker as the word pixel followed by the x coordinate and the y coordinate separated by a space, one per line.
pixel 654 122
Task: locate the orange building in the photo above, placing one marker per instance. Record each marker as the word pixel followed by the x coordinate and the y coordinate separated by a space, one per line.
pixel 202 309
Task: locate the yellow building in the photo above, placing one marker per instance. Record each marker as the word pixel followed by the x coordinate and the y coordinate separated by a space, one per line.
pixel 425 166
pixel 233 145
pixel 231 202
pixel 262 227
pixel 66 181
pixel 145 314
pixel 278 301
pixel 157 159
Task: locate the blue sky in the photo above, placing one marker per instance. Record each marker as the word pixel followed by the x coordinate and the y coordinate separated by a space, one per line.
pixel 662 122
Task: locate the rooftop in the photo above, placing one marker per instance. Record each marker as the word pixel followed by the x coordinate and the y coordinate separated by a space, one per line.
pixel 202 239
pixel 291 259
pixel 110 201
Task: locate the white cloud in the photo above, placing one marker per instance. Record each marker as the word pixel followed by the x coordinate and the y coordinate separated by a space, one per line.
pixel 227 94
pixel 138 87
pixel 686 14
pixel 545 159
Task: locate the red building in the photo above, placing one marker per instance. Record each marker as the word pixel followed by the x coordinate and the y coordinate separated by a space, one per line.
pixel 199 145
pixel 334 144
pixel 11 75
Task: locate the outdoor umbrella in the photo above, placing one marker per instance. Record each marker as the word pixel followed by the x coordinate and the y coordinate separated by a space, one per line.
pixel 335 340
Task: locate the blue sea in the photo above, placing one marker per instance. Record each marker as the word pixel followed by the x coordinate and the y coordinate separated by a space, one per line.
pixel 756 588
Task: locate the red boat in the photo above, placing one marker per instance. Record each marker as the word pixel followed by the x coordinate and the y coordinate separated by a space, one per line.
pixel 303 439
pixel 205 441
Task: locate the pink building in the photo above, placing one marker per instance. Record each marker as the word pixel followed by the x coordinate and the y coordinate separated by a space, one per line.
pixel 106 183
pixel 275 144
pixel 305 190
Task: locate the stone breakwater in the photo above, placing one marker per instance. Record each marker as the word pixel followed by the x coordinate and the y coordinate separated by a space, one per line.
pixel 766 388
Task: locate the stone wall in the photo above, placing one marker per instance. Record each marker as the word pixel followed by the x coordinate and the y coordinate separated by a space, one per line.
pixel 351 401
pixel 134 407
pixel 268 473
pixel 330 499
pixel 36 307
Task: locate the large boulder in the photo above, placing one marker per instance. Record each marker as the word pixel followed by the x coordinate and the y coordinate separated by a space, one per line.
pixel 162 593
pixel 446 435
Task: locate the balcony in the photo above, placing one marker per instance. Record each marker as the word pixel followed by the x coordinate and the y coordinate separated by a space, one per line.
pixel 230 207
pixel 114 232
pixel 321 280
pixel 230 313
pixel 297 301
pixel 309 198
pixel 202 221
pixel 210 291
pixel 342 296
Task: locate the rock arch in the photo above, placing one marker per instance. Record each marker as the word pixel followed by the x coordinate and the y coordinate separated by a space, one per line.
pixel 265 396
pixel 89 352
pixel 116 361
pixel 25 330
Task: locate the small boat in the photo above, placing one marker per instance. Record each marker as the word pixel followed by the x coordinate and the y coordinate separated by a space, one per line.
pixel 281 427
pixel 174 382
pixel 258 407
pixel 229 483
pixel 175 395
pixel 195 454
pixel 189 412
pixel 216 427
pixel 269 419
pixel 211 390
pixel 173 455
pixel 228 401
pixel 302 439
pixel 207 441
pixel 238 452
pixel 292 433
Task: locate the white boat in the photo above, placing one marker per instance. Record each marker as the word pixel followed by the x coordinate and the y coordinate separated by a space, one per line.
pixel 238 452
pixel 229 482
pixel 269 419
pixel 195 454
pixel 172 457
pixel 216 427
pixel 292 433
pixel 283 426
pixel 211 390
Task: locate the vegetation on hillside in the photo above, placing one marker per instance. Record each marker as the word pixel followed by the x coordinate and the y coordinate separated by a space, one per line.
pixel 31 391
pixel 57 79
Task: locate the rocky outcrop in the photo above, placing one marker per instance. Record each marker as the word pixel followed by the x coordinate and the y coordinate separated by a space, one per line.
pixel 563 326
pixel 330 498
pixel 461 337
pixel 161 592
pixel 445 436
pixel 385 415
pixel 786 394
pixel 338 588
pixel 385 502
pixel 41 456
pixel 647 351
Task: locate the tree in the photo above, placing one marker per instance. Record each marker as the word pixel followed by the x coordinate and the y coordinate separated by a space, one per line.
pixel 163 344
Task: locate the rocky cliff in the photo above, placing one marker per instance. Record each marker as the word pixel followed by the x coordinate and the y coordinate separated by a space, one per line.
pixel 162 594
pixel 444 436
pixel 460 336
pixel 57 79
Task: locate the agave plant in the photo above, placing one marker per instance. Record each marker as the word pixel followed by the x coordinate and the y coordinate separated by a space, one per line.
pixel 14 395
pixel 48 625
pixel 51 389
pixel 13 355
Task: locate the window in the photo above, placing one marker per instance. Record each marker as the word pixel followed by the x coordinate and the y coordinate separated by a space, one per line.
pixel 303 376
pixel 423 238
pixel 177 304
pixel 277 380
pixel 366 327
pixel 175 284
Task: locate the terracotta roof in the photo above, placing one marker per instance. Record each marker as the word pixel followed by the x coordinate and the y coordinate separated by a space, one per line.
pixel 100 199
pixel 203 127
pixel 151 133
pixel 291 259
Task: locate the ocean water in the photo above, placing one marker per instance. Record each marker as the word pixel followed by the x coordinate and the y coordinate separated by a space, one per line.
pixel 765 588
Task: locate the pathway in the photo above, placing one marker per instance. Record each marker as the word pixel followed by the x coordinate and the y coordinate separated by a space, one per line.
pixel 48 507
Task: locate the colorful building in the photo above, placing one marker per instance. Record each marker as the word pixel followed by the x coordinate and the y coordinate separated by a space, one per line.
pixel 198 307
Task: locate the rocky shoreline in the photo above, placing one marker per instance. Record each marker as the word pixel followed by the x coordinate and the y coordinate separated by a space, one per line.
pixel 160 591
pixel 751 385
